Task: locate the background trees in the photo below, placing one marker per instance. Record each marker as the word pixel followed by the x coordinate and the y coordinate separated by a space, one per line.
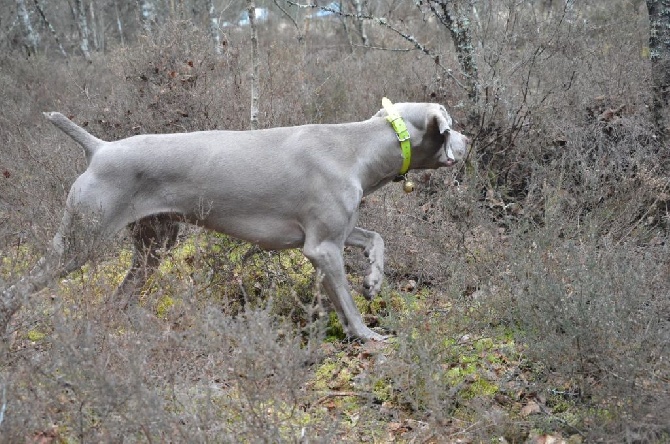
pixel 35 27
pixel 659 50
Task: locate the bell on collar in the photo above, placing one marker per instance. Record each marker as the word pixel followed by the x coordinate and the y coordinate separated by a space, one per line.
pixel 408 186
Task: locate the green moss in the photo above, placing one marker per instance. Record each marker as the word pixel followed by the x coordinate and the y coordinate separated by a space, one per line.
pixel 323 374
pixel 391 301
pixel 16 261
pixel 35 335
pixel 164 305
pixel 454 375
pixel 484 344
pixel 480 387
pixel 382 390
pixel 448 343
pixel 334 330
pixel 187 249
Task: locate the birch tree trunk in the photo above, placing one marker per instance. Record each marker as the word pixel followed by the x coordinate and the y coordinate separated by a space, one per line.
pixel 97 24
pixel 119 24
pixel 255 63
pixel 94 26
pixel 214 27
pixel 31 38
pixel 659 49
pixel 360 22
pixel 82 26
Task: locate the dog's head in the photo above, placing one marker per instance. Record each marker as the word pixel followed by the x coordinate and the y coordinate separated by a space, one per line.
pixel 439 144
pixel 455 145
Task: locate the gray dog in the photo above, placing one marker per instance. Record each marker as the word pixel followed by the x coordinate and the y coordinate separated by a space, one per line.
pixel 278 188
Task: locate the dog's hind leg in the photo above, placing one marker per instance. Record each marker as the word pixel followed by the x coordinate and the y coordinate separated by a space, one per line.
pixel 69 250
pixel 150 234
pixel 373 247
pixel 47 269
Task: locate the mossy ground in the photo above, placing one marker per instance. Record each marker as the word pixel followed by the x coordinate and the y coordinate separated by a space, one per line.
pixel 359 386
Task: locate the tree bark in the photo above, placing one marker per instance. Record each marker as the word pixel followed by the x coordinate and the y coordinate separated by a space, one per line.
pixel 119 24
pixel 31 38
pixel 659 50
pixel 255 63
pixel 214 27
pixel 360 22
pixel 454 16
pixel 95 33
pixel 82 25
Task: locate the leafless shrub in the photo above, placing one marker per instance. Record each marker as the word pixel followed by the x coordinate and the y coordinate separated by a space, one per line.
pixel 597 316
pixel 34 167
pixel 547 117
pixel 555 231
pixel 222 378
pixel 172 83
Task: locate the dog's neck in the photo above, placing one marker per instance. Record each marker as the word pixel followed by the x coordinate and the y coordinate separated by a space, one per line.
pixel 379 163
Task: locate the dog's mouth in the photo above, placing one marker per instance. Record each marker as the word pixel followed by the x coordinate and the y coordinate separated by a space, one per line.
pixel 451 159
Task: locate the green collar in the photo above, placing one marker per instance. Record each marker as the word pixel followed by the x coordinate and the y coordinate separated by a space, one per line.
pixel 401 131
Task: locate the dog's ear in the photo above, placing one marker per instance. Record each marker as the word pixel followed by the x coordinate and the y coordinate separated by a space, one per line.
pixel 437 119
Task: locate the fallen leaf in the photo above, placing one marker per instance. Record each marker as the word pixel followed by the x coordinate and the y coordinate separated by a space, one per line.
pixel 530 409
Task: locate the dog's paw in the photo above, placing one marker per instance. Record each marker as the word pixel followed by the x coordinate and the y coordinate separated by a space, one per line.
pixel 367 335
pixel 372 285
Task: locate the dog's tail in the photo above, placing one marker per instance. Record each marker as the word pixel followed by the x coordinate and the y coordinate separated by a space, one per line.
pixel 80 135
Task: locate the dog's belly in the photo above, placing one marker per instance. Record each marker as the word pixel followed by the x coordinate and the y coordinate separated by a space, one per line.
pixel 270 233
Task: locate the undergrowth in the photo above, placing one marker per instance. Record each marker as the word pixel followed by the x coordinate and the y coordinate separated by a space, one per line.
pixel 526 289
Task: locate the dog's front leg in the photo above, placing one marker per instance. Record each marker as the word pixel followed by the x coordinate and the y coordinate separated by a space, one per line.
pixel 327 258
pixel 373 246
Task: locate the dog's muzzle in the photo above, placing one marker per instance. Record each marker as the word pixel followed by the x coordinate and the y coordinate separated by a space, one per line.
pixel 451 159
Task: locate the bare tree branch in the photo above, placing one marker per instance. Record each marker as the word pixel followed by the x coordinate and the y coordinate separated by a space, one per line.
pixel 361 22
pixel 384 22
pixel 119 25
pixel 51 29
pixel 290 17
